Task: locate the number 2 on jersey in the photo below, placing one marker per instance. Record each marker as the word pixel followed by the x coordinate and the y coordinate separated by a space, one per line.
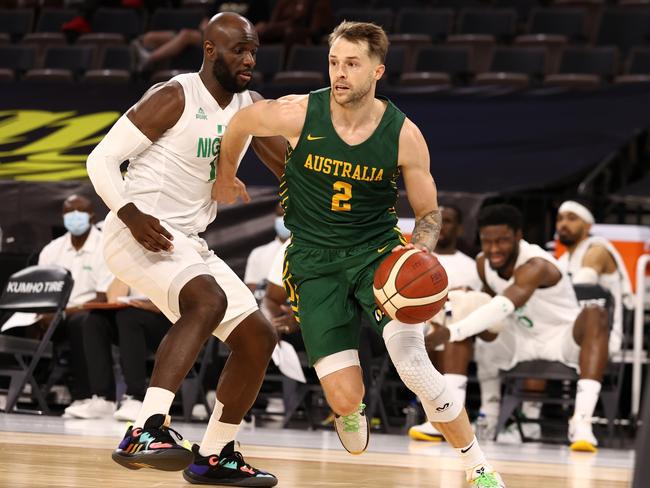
pixel 343 193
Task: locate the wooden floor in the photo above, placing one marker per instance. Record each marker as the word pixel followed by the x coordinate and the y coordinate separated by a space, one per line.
pixel 47 460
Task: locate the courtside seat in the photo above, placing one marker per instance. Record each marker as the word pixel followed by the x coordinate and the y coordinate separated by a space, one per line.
pixel 36 289
pixel 16 22
pixel 117 21
pixel 17 58
pixel 380 16
pixel 175 19
pixel 269 60
pixel 166 75
pixel 52 19
pixel 585 67
pixel 436 23
pixel 76 59
pixel 48 75
pixel 453 61
pixel 107 76
pixel 117 58
pixel 624 28
pixel 309 58
pixel 567 22
pixel 313 79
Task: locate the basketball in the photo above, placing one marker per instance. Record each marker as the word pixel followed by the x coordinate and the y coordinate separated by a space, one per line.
pixel 410 286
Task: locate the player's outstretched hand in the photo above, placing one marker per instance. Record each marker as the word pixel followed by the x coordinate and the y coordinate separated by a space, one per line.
pixel 410 245
pixel 230 191
pixel 146 229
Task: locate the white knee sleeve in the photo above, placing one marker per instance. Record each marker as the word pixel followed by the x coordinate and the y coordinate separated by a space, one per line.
pixel 405 345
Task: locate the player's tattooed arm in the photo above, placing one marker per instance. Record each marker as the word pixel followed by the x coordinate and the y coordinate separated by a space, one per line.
pixel 413 160
pixel 427 230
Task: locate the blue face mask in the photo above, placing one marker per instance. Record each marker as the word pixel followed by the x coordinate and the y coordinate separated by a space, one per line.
pixel 76 222
pixel 282 232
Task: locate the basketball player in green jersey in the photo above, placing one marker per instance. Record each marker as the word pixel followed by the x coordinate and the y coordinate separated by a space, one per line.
pixel 346 150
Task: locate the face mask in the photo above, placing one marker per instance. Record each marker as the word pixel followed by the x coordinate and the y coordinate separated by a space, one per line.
pixel 76 222
pixel 282 232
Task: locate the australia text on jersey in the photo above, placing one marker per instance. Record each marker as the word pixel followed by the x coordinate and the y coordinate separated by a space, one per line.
pixel 343 169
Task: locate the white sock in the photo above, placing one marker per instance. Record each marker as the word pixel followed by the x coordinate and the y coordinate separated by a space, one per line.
pixel 586 399
pixel 156 400
pixel 218 433
pixel 490 398
pixel 471 455
pixel 458 384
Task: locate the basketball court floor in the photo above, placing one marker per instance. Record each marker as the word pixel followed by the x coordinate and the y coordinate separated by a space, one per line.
pixel 54 452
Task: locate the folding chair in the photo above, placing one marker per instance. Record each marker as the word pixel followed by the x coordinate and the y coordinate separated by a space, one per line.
pixel 36 289
pixel 513 379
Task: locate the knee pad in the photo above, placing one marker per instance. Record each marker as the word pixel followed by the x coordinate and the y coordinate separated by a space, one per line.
pixel 405 345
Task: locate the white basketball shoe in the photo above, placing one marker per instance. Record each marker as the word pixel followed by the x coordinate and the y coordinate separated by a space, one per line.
pixel 425 432
pixel 483 476
pixel 353 430
pixel 581 435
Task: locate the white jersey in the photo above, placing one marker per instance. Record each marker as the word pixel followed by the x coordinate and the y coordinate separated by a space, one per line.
pixel 548 310
pixel 617 283
pixel 172 179
pixel 461 270
pixel 259 261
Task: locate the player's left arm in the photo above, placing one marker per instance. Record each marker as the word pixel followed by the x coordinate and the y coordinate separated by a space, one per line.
pixel 270 150
pixel 413 160
pixel 596 261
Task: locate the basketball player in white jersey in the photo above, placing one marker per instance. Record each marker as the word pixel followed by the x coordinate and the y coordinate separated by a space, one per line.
pixel 534 314
pixel 171 138
pixel 593 260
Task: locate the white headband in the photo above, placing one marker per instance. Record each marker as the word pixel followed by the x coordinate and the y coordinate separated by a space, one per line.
pixel 578 209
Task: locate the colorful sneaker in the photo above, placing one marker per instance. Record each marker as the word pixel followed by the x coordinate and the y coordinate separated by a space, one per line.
pixel 581 435
pixel 483 476
pixel 353 431
pixel 425 432
pixel 228 468
pixel 152 447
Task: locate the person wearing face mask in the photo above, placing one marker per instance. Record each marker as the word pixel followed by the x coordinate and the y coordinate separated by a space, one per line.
pixel 79 250
pixel 260 259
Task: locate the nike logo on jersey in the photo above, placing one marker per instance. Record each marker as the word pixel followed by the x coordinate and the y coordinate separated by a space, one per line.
pixel 382 249
pixel 314 138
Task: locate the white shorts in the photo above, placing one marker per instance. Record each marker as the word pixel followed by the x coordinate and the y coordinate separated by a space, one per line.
pixel 162 275
pixel 512 347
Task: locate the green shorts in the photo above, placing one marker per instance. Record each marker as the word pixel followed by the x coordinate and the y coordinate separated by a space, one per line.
pixel 330 288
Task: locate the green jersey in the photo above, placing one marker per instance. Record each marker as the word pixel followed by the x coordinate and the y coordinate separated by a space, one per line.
pixel 336 195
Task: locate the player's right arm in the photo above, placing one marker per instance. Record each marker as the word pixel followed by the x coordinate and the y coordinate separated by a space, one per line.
pixel 282 117
pixel 157 111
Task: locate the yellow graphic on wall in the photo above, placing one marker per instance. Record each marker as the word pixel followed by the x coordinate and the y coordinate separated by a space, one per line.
pixel 37 145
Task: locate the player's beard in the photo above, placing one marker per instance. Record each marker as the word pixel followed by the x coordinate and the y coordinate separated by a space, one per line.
pixel 226 79
pixel 355 96
pixel 567 240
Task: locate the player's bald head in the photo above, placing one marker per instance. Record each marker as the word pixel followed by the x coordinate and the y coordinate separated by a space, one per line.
pixel 229 51
pixel 229 26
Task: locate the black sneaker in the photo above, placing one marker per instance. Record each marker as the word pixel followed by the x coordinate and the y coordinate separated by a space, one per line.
pixel 228 468
pixel 152 447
